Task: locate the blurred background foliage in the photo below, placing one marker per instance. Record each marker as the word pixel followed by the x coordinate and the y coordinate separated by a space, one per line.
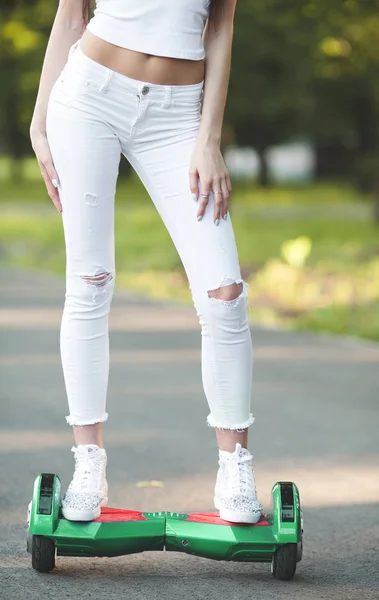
pixel 302 70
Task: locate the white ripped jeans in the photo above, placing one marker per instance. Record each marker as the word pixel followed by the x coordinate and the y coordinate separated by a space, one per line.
pixel 94 115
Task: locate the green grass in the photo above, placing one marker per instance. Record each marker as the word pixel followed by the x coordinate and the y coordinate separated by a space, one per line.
pixel 335 288
pixel 31 188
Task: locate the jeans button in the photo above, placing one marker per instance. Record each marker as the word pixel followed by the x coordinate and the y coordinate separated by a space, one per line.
pixel 145 90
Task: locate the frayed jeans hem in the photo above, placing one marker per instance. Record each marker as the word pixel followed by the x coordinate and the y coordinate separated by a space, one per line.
pixel 235 427
pixel 80 422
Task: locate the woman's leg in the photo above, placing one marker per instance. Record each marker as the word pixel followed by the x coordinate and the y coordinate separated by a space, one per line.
pixel 160 153
pixel 160 149
pixel 161 156
pixel 86 154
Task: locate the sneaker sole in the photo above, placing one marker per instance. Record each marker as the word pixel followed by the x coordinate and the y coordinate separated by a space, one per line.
pixel 237 517
pixel 83 515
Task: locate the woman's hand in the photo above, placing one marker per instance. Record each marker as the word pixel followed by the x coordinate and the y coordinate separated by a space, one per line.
pixel 207 164
pixel 45 161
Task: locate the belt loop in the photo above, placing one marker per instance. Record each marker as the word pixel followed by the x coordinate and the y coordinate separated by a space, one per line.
pixel 167 100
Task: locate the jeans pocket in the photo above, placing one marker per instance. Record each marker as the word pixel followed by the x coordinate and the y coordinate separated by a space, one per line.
pixel 67 89
pixel 187 111
pixel 188 104
pixel 72 86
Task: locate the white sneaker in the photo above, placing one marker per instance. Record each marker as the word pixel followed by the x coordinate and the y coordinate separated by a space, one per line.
pixel 235 494
pixel 88 490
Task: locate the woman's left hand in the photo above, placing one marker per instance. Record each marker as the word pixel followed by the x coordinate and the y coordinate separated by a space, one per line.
pixel 207 164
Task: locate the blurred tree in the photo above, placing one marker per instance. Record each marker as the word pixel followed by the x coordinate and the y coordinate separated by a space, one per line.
pixel 346 85
pixel 306 67
pixel 269 99
pixel 24 27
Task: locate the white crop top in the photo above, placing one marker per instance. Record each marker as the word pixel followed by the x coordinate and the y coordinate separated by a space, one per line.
pixel 170 28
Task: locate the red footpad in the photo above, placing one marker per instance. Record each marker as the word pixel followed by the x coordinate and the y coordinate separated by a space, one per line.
pixel 213 518
pixel 109 515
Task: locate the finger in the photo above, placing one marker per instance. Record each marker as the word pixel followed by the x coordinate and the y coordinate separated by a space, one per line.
pixel 228 183
pixel 50 170
pixel 204 198
pixel 51 188
pixel 48 166
pixel 226 197
pixel 194 184
pixel 218 202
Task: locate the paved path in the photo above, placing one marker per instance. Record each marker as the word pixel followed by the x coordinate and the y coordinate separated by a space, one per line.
pixel 316 401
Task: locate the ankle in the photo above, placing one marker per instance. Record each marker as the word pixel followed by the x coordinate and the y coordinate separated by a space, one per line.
pixel 238 450
pixel 88 434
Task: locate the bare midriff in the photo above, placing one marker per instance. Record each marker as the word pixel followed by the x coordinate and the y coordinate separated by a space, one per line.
pixel 143 67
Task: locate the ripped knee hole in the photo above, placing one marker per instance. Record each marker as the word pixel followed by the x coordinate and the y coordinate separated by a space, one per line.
pixel 227 293
pixel 99 280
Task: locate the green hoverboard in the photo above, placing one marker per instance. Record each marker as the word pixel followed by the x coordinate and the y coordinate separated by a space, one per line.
pixel 275 539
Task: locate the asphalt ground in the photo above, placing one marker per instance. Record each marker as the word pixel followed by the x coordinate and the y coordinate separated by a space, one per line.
pixel 316 403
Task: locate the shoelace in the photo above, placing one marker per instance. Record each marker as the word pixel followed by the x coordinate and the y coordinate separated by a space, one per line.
pixel 240 475
pixel 87 468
